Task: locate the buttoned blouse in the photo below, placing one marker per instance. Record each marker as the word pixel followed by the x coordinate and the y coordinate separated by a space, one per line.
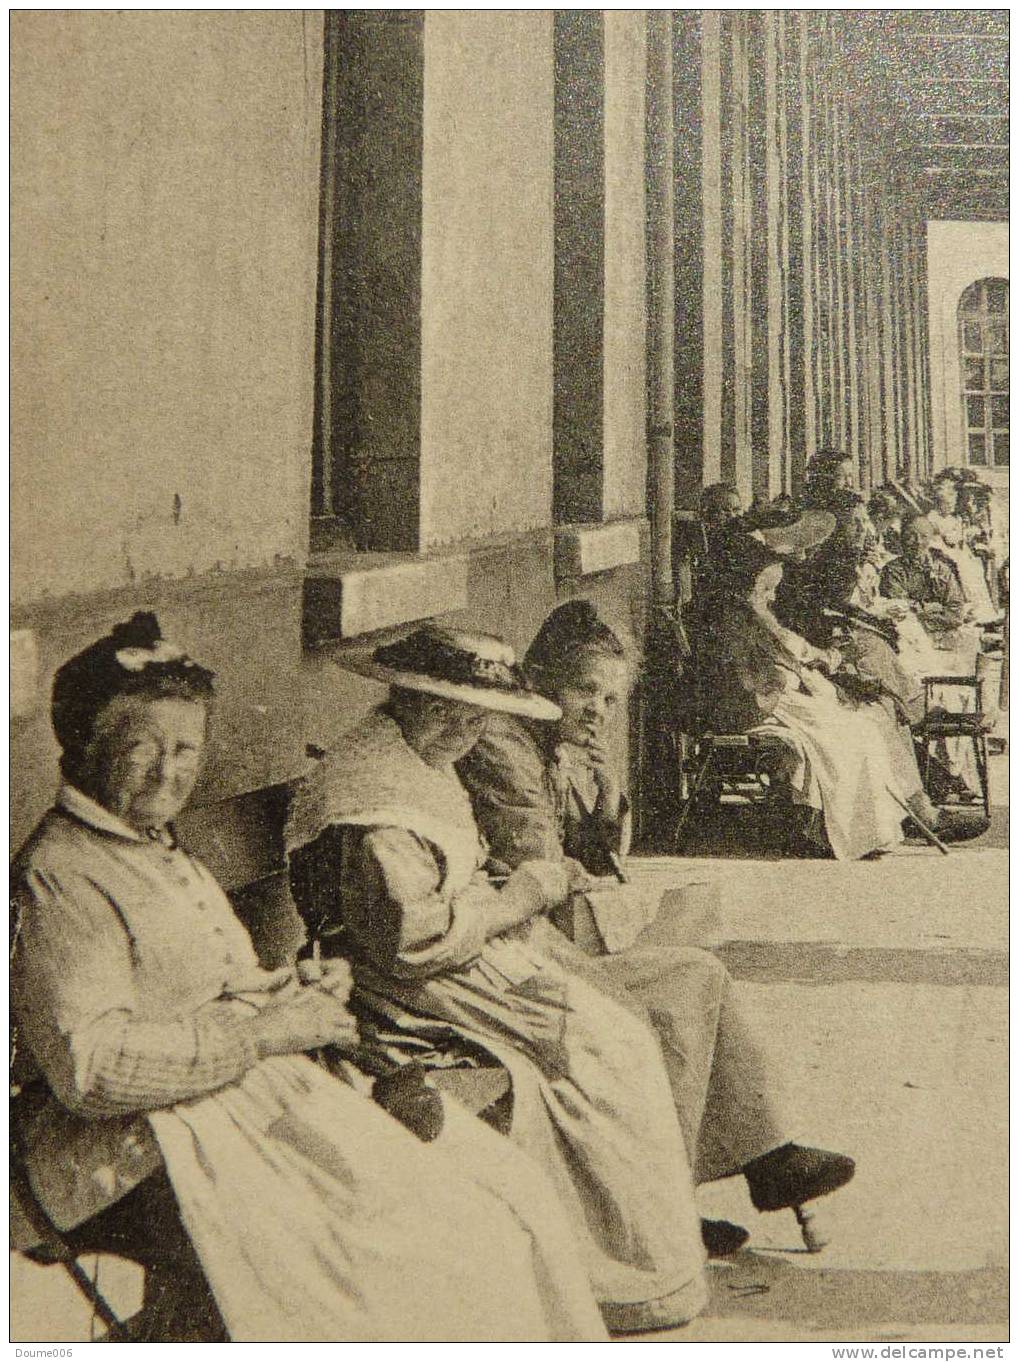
pixel 125 951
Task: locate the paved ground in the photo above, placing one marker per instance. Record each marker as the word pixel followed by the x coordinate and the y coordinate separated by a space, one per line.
pixel 882 989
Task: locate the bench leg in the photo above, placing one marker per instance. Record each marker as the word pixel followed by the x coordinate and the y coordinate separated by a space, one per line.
pixel 694 790
pixel 101 1307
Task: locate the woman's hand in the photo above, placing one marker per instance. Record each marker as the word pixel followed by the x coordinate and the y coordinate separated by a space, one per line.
pixel 610 791
pixel 334 976
pixel 337 979
pixel 892 609
pixel 313 1017
pixel 579 877
pixel 830 658
pixel 546 884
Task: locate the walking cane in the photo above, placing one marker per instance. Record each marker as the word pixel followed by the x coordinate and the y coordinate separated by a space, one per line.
pixel 929 833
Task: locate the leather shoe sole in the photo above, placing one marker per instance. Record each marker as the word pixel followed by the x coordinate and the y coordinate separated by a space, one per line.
pixel 960 827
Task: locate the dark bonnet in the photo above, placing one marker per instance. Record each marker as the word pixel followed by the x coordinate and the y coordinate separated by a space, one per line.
pixel 571 627
pixel 132 659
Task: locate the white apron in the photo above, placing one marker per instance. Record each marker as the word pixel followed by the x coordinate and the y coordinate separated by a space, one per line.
pixel 591 1099
pixel 318 1218
pixel 952 544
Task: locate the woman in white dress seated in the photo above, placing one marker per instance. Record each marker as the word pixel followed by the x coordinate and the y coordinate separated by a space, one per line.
pixel 953 541
pixel 166 1069
pixel 752 672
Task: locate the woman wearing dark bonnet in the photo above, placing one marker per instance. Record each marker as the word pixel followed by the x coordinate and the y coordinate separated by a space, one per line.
pixel 552 790
pixel 829 474
pixel 172 1088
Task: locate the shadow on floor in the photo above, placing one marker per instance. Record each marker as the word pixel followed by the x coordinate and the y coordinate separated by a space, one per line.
pixel 822 962
pixel 767 1285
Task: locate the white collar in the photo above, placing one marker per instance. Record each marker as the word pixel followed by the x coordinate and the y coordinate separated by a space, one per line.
pixel 72 801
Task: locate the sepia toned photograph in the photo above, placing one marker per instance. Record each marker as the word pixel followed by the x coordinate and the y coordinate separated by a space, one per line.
pixel 509 652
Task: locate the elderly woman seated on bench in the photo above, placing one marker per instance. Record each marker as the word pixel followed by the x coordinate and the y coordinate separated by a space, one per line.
pixel 166 1093
pixel 387 864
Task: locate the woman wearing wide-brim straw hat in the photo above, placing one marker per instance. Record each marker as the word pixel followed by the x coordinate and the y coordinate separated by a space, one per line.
pixel 387 864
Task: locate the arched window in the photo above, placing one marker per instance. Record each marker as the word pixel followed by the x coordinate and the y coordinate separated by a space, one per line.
pixel 983 355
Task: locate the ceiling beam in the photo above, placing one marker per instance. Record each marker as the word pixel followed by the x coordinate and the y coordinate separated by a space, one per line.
pixel 928 121
pixel 983 21
pixel 981 172
pixel 988 100
pixel 929 37
pixel 963 116
pixel 964 212
pixel 963 80
pixel 963 146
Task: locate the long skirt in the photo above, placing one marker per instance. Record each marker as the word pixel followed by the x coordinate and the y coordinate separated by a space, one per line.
pixel 845 770
pixel 591 1106
pixel 318 1218
pixel 721 1088
pixel 972 580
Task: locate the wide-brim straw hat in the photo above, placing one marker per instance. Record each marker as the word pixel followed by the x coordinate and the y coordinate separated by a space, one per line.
pixel 475 669
pixel 807 531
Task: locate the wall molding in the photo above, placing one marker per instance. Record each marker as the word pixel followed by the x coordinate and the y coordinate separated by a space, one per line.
pixel 345 599
pixel 348 595
pixel 86 608
pixel 581 550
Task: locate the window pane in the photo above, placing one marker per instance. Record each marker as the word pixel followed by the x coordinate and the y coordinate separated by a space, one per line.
pixel 977 450
pixel 999 375
pixel 1001 451
pixel 999 411
pixel 997 338
pixel 974 375
pixel 971 337
pixel 997 295
pixel 969 303
pixel 975 412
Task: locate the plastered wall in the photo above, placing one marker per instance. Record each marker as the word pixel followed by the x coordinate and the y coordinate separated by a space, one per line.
pixel 165 208
pixel 958 254
pixel 486 274
pixel 164 183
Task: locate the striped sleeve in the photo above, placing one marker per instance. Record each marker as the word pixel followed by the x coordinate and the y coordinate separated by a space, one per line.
pixel 73 997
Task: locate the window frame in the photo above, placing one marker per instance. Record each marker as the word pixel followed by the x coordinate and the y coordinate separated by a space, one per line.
pixel 974 311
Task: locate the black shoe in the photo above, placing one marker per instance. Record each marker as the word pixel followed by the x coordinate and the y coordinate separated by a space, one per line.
pixel 958 825
pixel 722 1238
pixel 793 1174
